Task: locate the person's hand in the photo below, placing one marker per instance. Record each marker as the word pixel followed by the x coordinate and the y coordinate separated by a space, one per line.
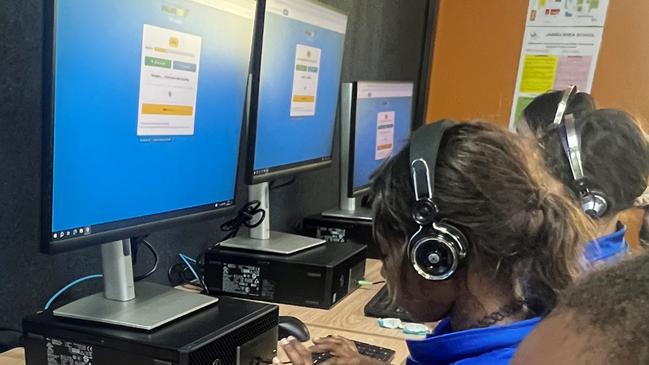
pixel 296 352
pixel 343 350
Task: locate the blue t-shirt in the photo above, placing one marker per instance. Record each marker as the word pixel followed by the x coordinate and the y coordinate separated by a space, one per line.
pixel 608 249
pixel 481 346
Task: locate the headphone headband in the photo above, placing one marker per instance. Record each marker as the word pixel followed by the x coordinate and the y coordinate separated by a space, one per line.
pixel 572 147
pixel 563 104
pixel 593 202
pixel 424 147
pixel 438 248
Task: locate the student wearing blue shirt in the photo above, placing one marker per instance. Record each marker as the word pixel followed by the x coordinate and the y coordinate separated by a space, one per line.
pixel 601 320
pixel 474 233
pixel 608 169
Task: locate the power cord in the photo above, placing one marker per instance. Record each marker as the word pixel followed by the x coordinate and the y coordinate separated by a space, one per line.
pixel 134 244
pixel 245 217
pixel 156 260
pixel 250 215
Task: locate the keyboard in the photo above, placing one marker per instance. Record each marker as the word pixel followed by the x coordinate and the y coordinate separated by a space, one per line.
pixel 381 306
pixel 371 351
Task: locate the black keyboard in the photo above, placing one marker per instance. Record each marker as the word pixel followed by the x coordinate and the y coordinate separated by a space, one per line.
pixel 381 306
pixel 371 351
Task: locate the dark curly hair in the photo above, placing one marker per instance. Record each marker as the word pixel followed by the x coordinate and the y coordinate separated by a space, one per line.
pixel 615 156
pixel 539 114
pixel 612 303
pixel 522 229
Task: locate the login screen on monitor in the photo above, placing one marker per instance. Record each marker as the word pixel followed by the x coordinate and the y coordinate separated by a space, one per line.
pixel 299 84
pixel 147 108
pixel 382 126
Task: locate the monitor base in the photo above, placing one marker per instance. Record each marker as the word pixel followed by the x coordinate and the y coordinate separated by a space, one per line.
pixel 362 214
pixel 153 306
pixel 278 243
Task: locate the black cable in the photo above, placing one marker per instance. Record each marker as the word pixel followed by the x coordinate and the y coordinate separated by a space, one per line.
pixel 245 217
pixel 156 261
pixel 250 215
pixel 272 185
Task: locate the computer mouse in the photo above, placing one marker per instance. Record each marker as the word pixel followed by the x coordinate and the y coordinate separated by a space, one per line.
pixel 291 326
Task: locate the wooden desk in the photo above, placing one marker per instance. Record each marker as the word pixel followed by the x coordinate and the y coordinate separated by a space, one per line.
pixel 345 319
pixel 13 357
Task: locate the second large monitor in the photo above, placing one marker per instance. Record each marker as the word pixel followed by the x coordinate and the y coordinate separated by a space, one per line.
pixel 293 104
pixel 295 98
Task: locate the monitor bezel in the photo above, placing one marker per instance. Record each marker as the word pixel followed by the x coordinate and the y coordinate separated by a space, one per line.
pixel 146 224
pixel 287 169
pixel 359 191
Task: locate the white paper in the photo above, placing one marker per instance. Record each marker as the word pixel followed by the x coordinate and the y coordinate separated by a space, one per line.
pixel 560 48
pixel 384 134
pixel 305 81
pixel 168 82
pixel 571 13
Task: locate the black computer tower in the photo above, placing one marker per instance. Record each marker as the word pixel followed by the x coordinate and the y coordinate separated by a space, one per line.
pixel 231 332
pixel 318 277
pixel 342 230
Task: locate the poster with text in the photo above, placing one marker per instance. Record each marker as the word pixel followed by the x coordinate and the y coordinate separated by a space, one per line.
pixel 571 13
pixel 557 57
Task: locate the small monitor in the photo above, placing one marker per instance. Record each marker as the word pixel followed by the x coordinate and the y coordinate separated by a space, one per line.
pixel 376 120
pixel 295 96
pixel 144 105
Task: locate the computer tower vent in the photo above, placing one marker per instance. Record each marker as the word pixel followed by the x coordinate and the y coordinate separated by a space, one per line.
pixel 225 348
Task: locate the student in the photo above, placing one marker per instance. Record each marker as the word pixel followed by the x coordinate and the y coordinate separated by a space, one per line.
pixel 539 115
pixel 607 172
pixel 602 320
pixel 484 247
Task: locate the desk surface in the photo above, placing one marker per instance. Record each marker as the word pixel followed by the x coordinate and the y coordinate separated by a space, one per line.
pixel 345 318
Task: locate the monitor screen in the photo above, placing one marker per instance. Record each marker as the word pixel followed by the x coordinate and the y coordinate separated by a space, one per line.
pixel 147 101
pixel 299 82
pixel 382 124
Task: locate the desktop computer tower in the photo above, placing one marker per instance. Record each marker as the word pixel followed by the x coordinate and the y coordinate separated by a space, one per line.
pixel 231 332
pixel 337 229
pixel 318 277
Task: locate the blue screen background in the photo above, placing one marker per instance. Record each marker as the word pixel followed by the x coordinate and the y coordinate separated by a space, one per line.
pixel 365 137
pixel 282 140
pixel 102 171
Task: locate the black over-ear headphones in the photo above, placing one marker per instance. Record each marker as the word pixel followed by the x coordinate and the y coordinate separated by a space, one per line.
pixel 438 248
pixel 592 201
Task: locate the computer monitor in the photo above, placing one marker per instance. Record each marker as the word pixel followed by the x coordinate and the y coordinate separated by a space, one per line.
pixel 144 104
pixel 294 101
pixel 376 120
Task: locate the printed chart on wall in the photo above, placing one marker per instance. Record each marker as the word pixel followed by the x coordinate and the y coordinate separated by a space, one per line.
pixel 560 48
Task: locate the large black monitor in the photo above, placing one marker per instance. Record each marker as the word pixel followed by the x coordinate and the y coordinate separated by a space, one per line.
pixel 294 101
pixel 376 120
pixel 144 104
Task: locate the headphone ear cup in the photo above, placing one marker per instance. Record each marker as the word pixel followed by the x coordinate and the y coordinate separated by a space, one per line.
pixel 457 237
pixel 437 251
pixel 594 204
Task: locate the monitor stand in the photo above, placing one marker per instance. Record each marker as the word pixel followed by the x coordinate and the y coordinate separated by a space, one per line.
pixel 262 238
pixel 154 305
pixel 349 210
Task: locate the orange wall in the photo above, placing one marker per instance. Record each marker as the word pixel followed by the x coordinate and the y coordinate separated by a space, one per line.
pixel 475 59
pixel 476 54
